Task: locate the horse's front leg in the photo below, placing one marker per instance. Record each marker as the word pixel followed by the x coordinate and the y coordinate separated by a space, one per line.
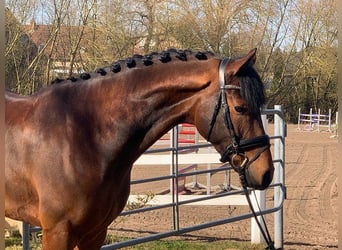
pixel 59 237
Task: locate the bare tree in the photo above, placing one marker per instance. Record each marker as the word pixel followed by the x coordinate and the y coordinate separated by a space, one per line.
pixel 296 39
pixel 23 60
pixel 210 25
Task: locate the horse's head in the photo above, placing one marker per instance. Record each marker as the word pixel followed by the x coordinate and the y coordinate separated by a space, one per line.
pixel 229 117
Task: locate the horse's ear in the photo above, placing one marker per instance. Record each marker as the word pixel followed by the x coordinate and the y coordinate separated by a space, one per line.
pixel 235 66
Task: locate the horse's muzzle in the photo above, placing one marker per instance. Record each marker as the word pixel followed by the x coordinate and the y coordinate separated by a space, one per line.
pixel 263 183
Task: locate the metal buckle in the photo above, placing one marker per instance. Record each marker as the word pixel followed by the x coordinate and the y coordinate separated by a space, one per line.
pixel 239 161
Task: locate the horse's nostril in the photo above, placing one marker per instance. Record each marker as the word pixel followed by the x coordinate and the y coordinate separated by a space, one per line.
pixel 266 179
pixel 262 183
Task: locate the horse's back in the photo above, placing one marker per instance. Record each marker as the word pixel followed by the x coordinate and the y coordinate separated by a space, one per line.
pixel 14 97
pixel 17 107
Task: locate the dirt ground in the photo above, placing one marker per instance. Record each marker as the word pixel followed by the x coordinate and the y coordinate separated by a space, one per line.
pixel 310 210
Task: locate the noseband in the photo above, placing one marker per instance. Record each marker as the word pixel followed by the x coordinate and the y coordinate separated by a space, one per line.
pixel 236 150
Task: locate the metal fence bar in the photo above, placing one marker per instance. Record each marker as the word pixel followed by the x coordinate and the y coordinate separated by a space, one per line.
pixel 213 196
pixel 184 230
pixel 195 172
pixel 185 147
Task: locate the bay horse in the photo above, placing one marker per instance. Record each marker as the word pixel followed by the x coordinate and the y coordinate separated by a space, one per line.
pixel 70 147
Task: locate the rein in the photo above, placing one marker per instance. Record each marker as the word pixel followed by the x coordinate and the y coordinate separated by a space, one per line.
pixel 236 150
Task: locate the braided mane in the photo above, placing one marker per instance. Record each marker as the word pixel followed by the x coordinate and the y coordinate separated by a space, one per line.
pixel 142 61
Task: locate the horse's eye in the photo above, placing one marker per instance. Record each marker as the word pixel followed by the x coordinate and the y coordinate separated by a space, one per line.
pixel 240 109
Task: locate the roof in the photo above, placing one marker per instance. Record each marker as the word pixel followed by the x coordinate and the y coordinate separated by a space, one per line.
pixel 60 41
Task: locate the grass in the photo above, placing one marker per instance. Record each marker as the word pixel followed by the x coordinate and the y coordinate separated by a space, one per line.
pixel 14 243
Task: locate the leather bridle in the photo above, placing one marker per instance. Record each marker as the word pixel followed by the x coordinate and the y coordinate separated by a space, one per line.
pixel 235 152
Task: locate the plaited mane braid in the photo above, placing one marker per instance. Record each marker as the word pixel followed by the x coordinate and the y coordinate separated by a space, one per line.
pixel 143 60
pixel 164 57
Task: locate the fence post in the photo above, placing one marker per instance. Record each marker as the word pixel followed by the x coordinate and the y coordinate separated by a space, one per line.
pixel 195 179
pixel 260 198
pixel 174 179
pixel 279 174
pixel 26 236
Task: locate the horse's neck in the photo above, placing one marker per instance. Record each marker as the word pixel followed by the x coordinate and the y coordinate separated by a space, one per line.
pixel 136 111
